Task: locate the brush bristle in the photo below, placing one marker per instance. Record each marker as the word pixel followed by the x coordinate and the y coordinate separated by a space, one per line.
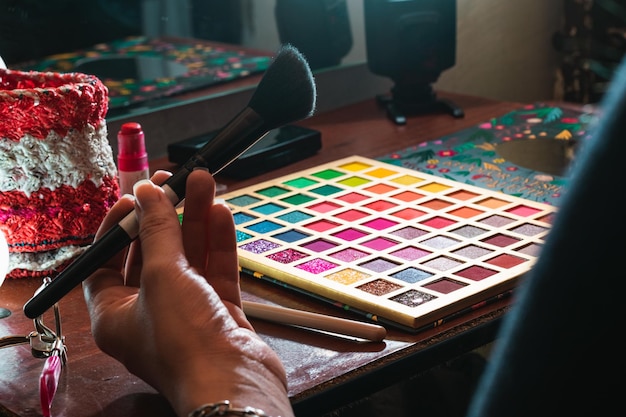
pixel 286 93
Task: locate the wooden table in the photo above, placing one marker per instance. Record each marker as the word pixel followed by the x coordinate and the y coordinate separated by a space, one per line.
pixel 324 372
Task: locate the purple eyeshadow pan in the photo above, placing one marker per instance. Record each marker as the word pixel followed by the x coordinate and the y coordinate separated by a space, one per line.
pixel 532 249
pixel 259 246
pixel 349 255
pixel 410 253
pixel 350 234
pixel 319 245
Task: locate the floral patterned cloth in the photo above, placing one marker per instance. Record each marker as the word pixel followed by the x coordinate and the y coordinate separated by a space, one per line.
pixel 471 156
pixel 206 65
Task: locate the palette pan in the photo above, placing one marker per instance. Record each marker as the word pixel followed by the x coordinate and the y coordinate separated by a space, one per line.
pixel 399 246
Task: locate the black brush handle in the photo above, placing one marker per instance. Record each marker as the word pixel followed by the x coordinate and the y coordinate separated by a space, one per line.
pixel 104 249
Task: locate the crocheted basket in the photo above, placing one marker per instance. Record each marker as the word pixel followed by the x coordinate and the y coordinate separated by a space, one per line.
pixel 58 177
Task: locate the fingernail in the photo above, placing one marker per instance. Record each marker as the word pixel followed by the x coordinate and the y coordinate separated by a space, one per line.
pixel 144 190
pixel 201 169
pixel 139 184
pixel 127 196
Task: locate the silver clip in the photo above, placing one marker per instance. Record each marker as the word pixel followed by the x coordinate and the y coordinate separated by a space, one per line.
pixel 45 342
pixel 8 341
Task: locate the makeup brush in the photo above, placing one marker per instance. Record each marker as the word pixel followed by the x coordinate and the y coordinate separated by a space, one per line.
pixel 285 94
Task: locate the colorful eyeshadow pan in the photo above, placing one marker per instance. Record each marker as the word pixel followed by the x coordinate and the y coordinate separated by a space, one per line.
pixel 379 287
pixel 347 276
pixel 407 196
pixel 436 204
pixel 408 248
pixel 264 226
pixel 287 256
pixel 351 215
pixel 445 286
pixel 349 255
pixel 291 236
pixel 273 191
pixel 413 298
pixel 240 218
pixel 319 245
pixel 409 232
pixel 324 206
pixel 469 231
pixel 350 234
pixel 269 208
pixel 410 253
pixel 408 213
pixel 353 198
pixel 327 190
pixel 294 217
pixel 412 275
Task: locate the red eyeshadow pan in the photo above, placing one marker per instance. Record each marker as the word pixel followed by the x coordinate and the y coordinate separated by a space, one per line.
pixel 438 222
pixel 506 261
pixel 444 286
pixel 476 273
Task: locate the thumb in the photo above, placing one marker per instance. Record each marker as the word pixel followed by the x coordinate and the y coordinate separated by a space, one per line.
pixel 159 229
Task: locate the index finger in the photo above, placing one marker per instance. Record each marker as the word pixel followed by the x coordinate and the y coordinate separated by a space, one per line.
pixel 159 231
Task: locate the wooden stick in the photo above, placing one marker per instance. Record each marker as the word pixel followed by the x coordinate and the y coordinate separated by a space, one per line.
pixel 290 316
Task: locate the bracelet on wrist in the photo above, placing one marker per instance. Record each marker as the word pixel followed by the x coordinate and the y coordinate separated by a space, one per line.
pixel 223 408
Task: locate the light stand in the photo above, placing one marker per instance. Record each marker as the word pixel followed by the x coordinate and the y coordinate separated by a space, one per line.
pixel 411 42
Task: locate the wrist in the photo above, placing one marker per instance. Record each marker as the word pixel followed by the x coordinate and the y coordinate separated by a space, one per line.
pixel 254 378
pixel 260 390
pixel 224 408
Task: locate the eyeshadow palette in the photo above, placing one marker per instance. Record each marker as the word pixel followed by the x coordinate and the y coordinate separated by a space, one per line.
pixel 403 247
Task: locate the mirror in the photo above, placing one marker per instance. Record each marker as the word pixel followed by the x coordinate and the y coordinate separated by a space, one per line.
pixel 141 68
pixel 73 32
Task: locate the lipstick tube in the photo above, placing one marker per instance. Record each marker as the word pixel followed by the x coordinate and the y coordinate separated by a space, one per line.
pixel 132 158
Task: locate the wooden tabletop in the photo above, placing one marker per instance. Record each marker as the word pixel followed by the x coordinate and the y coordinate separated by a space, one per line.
pixel 324 371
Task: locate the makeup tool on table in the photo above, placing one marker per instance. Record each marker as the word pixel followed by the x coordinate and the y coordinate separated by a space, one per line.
pixel 285 94
pixel 293 317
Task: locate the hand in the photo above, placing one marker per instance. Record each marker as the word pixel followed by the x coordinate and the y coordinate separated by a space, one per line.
pixel 171 311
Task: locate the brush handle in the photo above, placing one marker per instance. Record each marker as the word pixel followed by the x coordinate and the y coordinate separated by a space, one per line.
pixel 105 248
pixel 317 321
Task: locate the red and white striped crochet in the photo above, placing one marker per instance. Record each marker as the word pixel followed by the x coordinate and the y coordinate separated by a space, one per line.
pixel 58 177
